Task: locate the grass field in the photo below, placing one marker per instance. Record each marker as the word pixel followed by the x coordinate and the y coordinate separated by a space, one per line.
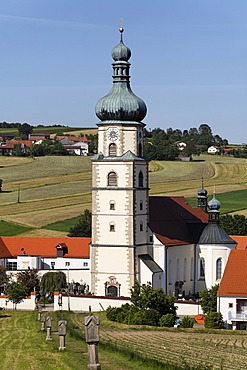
pixel 23 346
pixel 57 189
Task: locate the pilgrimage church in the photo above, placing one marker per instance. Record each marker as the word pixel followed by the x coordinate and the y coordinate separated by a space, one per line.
pixel 135 236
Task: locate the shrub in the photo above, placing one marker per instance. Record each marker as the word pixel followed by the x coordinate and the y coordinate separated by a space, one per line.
pixel 167 320
pixel 187 322
pixel 145 317
pixel 112 312
pixel 214 320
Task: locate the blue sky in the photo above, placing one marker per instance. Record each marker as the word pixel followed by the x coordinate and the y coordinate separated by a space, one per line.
pixel 189 61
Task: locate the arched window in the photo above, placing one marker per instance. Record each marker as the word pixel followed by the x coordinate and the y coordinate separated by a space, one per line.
pixel 140 180
pixel 170 272
pixel 178 270
pixel 112 226
pixel 185 269
pixel 218 268
pixel 139 150
pixel 192 269
pixel 141 205
pixel 112 287
pixel 112 291
pixel 112 179
pixel 112 205
pixel 112 150
pixel 202 268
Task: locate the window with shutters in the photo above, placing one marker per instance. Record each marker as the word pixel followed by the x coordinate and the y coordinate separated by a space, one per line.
pixel 112 150
pixel 112 179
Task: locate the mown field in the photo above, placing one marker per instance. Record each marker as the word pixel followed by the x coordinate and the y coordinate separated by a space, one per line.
pixel 47 190
pixel 23 346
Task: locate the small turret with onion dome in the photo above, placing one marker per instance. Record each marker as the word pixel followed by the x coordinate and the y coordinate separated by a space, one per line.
pixel 121 103
pixel 214 209
pixel 202 198
pixel 213 232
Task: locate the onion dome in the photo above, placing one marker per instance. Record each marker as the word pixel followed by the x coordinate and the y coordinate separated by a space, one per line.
pixel 202 192
pixel 214 205
pixel 121 51
pixel 121 103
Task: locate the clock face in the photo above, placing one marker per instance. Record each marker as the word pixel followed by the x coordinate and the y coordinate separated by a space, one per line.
pixel 113 134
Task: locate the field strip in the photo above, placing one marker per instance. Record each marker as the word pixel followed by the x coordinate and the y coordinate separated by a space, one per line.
pixel 179 348
pixel 182 190
pixel 30 206
pixel 41 218
pixel 43 181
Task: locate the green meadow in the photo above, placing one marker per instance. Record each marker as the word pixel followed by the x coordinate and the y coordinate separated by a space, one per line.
pixel 49 193
pixel 123 347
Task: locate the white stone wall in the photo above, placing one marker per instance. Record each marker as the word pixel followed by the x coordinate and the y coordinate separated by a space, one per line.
pixel 26 304
pixel 82 303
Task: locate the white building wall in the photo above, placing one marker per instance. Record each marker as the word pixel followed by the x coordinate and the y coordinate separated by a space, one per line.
pixel 224 307
pixel 211 253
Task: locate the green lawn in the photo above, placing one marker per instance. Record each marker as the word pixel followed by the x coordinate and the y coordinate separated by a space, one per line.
pixel 230 202
pixel 24 346
pixel 62 225
pixel 12 229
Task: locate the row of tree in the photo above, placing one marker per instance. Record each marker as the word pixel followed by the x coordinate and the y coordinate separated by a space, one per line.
pixel 160 144
pixel 28 281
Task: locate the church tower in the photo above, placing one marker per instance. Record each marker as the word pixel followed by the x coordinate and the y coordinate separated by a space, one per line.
pixel 119 185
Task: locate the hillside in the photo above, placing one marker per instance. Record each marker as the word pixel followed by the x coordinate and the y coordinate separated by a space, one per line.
pixel 52 189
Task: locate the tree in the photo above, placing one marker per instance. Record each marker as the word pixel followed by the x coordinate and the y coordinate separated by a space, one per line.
pixel 3 277
pixel 24 130
pixel 145 297
pixel 16 292
pixel 214 320
pixel 209 299
pixel 52 281
pixel 234 225
pixel 29 278
pixel 83 226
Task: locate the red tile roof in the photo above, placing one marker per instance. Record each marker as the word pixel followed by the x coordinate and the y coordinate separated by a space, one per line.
pixel 174 221
pixel 234 280
pixel 12 246
pixel 241 241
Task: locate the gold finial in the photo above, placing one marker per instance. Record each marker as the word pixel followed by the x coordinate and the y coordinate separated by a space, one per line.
pixel 121 25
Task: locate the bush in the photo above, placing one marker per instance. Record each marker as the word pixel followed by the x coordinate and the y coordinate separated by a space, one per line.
pixel 214 320
pixel 167 320
pixel 145 317
pixel 112 312
pixel 187 322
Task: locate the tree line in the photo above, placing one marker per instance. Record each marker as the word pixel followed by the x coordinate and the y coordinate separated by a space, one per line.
pixel 161 144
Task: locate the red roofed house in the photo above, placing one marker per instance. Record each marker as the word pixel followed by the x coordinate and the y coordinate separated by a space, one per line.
pixel 70 255
pixel 232 293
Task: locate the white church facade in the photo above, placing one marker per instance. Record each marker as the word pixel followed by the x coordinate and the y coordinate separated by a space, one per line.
pixel 136 237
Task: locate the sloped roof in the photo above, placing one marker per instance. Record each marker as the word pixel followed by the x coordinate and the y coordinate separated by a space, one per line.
pixel 214 234
pixel 174 222
pixel 12 246
pixel 240 240
pixel 234 280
